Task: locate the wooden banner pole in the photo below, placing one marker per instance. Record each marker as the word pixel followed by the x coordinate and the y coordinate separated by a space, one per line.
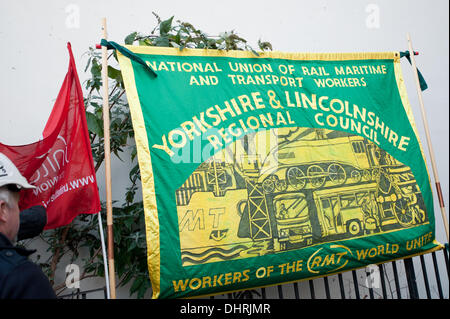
pixel 106 124
pixel 427 133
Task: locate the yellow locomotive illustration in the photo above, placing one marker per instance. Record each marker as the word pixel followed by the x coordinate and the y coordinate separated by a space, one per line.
pixel 289 188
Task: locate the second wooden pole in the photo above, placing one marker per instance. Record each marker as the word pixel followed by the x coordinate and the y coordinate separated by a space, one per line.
pixel 427 134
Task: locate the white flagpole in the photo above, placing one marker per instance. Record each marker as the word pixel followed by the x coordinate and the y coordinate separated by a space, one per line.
pixel 105 262
pixel 427 134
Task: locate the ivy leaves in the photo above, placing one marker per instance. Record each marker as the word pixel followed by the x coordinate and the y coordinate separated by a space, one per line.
pixel 184 35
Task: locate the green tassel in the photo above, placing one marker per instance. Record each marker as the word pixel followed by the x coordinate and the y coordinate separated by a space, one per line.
pixel 128 54
pixel 423 84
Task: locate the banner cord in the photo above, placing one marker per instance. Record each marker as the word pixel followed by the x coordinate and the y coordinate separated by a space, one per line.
pixel 423 83
pixel 115 46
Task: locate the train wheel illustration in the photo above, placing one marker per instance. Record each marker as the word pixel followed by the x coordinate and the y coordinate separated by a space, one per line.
pixel 337 174
pixel 354 227
pixel 296 178
pixel 268 184
pixel 316 176
pixel 404 212
pixel 366 175
pixel 280 184
pixel 355 176
pixel 376 173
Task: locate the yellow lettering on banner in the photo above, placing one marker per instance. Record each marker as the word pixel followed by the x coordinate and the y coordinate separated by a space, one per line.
pixel 164 146
pixel 213 281
pixel 316 262
pixel 222 112
pixel 250 68
pixel 214 141
pixel 224 135
pixel 317 71
pixel 419 241
pixel 203 80
pixel 287 268
pixel 393 137
pixel 340 256
pixel 269 79
pixel 189 128
pixel 171 66
pixel 328 260
pixel 333 113
pixel 206 282
pixel 193 80
pixel 195 283
pixel 404 141
pixel 180 285
pixel 181 142
pixel 273 101
pixel 258 100
pixel 386 249
pixel 340 82
pixel 360 69
pixel 280 119
pixel 237 277
pixel 266 120
pixel 228 277
pixel 245 102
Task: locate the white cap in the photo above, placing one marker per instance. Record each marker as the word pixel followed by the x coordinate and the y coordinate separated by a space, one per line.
pixel 9 174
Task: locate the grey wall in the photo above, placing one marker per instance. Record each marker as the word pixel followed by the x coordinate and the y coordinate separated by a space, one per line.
pixel 33 55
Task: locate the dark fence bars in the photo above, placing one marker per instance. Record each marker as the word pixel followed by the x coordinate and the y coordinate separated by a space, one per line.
pixel 410 278
pixel 420 277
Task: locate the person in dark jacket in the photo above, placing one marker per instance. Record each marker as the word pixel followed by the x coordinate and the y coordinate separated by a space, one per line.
pixel 19 277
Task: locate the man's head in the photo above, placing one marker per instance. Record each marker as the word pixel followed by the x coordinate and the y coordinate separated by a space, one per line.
pixel 11 182
pixel 9 212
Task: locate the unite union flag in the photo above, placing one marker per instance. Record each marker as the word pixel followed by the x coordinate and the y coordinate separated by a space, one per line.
pixel 61 164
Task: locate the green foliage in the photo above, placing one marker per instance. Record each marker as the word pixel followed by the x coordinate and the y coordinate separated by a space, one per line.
pixel 129 226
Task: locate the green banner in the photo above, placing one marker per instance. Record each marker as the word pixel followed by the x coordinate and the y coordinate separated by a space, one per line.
pixel 261 170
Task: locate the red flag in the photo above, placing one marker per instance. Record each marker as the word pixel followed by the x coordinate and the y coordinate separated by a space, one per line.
pixel 60 165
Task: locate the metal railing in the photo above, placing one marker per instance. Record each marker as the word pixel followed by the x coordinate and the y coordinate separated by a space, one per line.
pixel 420 277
